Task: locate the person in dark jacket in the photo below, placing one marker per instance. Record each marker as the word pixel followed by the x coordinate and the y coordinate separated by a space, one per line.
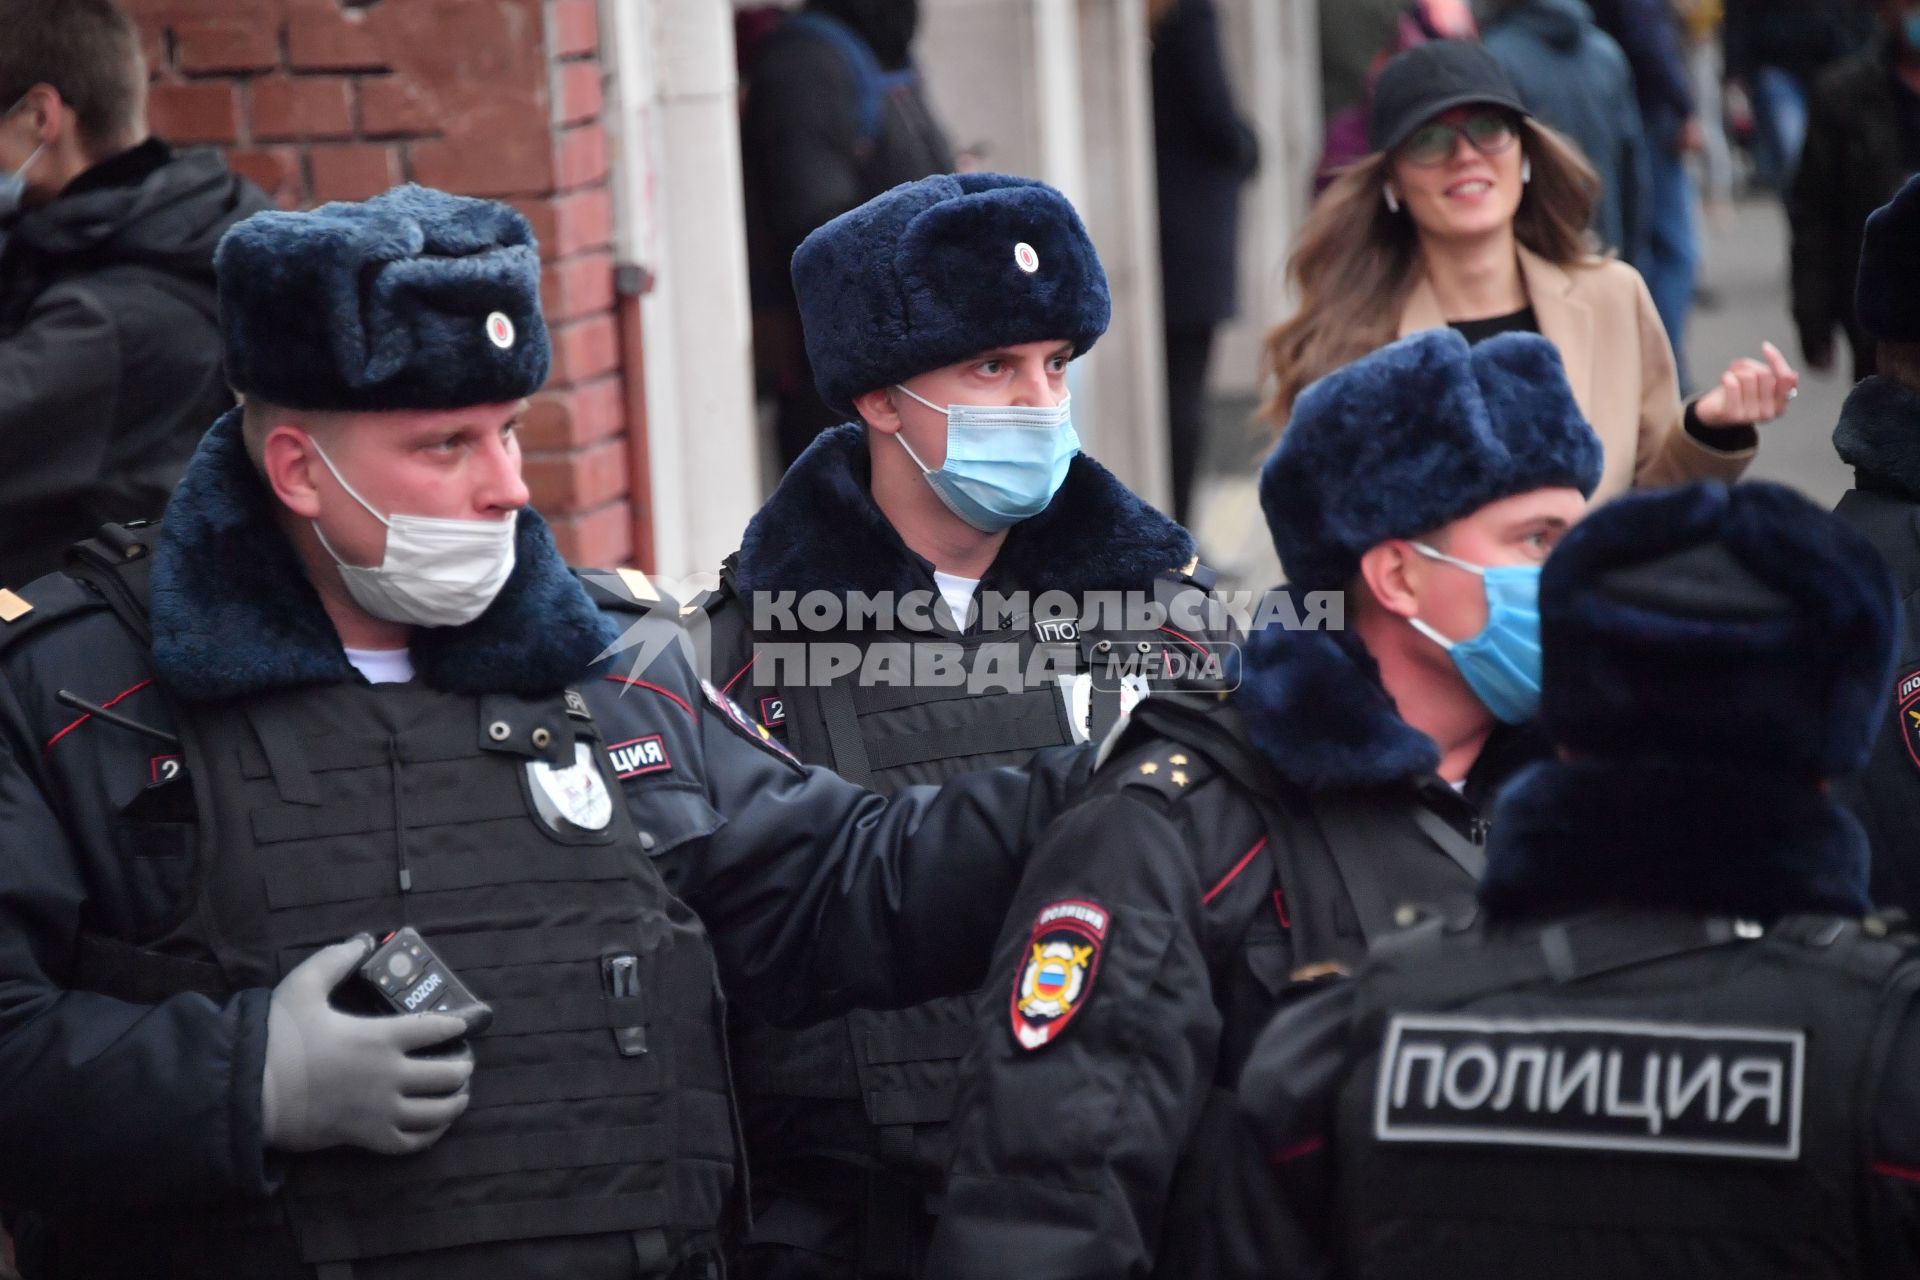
pixel 1231 844
pixel 1672 1044
pixel 835 114
pixel 1648 33
pixel 1777 50
pixel 1573 76
pixel 942 317
pixel 348 685
pixel 109 358
pixel 1863 141
pixel 1204 152
pixel 1878 435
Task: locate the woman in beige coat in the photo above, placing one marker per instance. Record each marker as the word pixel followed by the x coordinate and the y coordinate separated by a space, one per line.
pixel 1471 214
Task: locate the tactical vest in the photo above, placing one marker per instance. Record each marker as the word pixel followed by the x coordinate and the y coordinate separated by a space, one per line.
pixel 600 1098
pixel 1617 1095
pixel 993 698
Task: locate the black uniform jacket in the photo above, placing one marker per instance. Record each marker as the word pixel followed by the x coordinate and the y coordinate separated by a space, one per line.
pixel 1160 920
pixel 820 896
pixel 1879 436
pixel 1596 848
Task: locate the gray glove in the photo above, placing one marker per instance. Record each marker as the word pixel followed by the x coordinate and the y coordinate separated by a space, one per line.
pixel 337 1079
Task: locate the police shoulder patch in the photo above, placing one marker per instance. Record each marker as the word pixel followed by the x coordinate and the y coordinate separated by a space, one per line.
pixel 1057 970
pixel 746 726
pixel 1907 699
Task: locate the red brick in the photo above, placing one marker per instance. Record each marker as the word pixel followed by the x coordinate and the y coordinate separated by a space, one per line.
pixel 577 286
pixel 581 96
pixel 395 105
pixel 213 45
pixel 322 41
pixel 585 349
pixel 576 28
pixel 493 164
pixel 582 220
pixel 206 112
pixel 352 172
pixel 579 479
pixel 155 50
pixel 600 539
pixel 570 417
pixel 300 107
pixel 275 170
pixel 581 158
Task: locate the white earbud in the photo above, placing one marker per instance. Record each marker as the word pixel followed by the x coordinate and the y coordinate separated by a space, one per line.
pixel 1393 201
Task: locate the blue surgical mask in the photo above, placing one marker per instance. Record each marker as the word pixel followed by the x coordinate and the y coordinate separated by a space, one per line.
pixel 13 186
pixel 1003 464
pixel 1501 664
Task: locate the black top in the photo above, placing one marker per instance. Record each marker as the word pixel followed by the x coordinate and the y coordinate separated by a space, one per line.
pixel 1478 331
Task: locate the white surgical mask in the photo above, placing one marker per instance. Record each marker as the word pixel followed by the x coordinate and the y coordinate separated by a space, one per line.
pixel 436 573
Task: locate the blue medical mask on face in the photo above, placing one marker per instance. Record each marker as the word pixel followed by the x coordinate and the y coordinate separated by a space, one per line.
pixel 1501 664
pixel 1004 464
pixel 13 186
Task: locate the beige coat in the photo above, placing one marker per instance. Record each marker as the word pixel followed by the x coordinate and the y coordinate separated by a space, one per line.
pixel 1620 366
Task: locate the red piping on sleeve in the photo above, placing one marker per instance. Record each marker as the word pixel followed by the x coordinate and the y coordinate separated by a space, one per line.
pixel 728 686
pixel 1189 639
pixel 1287 1155
pixel 1896 1171
pixel 1238 867
pixel 665 693
pixel 124 693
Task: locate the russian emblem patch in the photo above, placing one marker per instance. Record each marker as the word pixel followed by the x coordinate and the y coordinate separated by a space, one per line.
pixel 1907 697
pixel 1062 957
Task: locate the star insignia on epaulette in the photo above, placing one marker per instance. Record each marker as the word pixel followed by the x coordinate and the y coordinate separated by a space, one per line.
pixel 1150 767
pixel 1179 778
pixel 1176 759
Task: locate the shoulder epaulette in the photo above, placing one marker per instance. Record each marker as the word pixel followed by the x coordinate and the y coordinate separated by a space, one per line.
pixel 31 609
pixel 1169 770
pixel 625 590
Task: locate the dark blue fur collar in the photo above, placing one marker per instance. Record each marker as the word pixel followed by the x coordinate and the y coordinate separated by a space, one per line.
pixel 820 531
pixel 1314 706
pixel 1879 434
pixel 233 613
pixel 1677 835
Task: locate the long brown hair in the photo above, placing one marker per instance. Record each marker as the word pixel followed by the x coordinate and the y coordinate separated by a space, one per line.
pixel 1356 262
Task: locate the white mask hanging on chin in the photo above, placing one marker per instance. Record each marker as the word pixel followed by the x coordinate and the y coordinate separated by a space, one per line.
pixel 436 573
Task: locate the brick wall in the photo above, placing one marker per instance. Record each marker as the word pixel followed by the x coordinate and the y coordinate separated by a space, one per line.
pixel 339 99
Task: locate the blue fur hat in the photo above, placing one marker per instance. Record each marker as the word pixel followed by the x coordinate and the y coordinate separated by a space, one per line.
pixel 1413 437
pixel 1887 296
pixel 1743 627
pixel 937 270
pixel 411 300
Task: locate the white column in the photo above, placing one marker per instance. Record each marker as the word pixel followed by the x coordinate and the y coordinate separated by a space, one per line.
pixel 679 215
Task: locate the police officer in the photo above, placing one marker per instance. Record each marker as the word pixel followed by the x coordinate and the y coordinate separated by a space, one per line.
pixel 1879 437
pixel 1229 846
pixel 348 686
pixel 1671 1045
pixel 941 318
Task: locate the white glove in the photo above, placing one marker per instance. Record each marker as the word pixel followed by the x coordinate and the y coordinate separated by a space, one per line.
pixel 338 1079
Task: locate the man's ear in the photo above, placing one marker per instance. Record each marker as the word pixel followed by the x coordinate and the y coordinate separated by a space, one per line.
pixel 289 463
pixel 1388 574
pixel 878 409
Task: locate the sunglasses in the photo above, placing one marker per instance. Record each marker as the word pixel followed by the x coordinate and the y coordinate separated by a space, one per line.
pixel 1489 133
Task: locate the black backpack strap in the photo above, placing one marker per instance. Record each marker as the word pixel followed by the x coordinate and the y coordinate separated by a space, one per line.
pixel 117 561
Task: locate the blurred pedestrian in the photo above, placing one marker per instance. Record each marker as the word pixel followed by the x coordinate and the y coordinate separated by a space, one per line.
pixel 109 357
pixel 1357 38
pixel 1472 214
pixel 1673 918
pixel 1204 152
pixel 1863 141
pixel 1233 844
pixel 1574 79
pixel 1879 437
pixel 1648 32
pixel 1701 22
pixel 1776 49
pixel 835 114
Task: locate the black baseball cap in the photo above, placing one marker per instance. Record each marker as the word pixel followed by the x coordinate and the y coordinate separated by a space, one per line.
pixel 1431 79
